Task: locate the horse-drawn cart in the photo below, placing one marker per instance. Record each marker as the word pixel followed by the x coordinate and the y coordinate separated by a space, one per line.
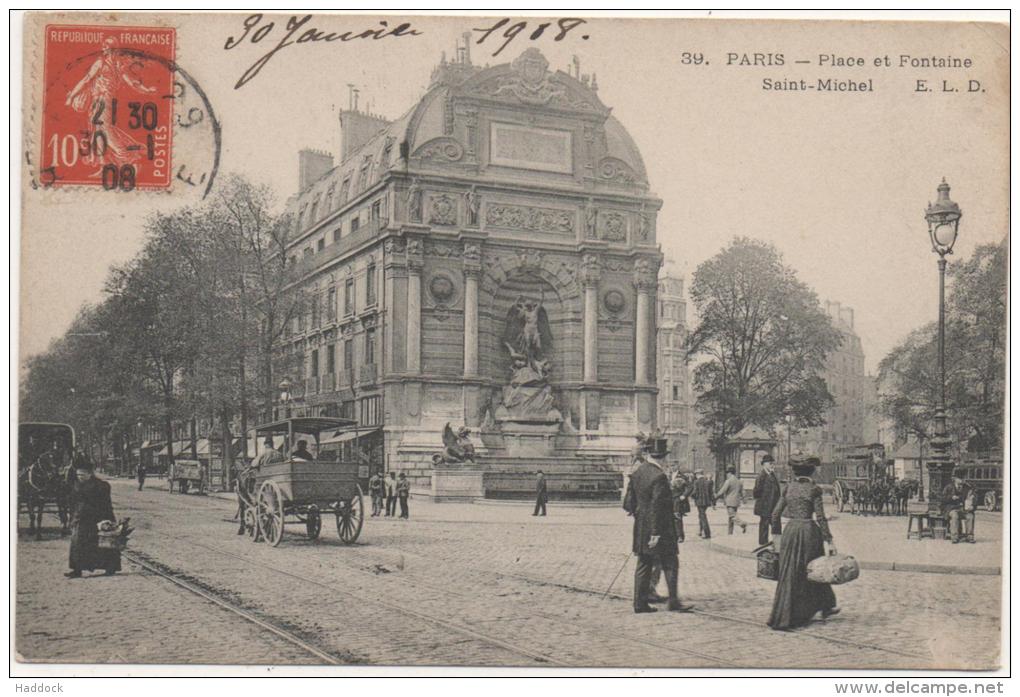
pixel 298 491
pixel 187 475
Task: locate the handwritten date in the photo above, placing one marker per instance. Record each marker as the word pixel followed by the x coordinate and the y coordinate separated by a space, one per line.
pixel 563 27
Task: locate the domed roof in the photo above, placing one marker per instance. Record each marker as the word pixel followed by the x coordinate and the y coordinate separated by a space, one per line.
pixel 525 82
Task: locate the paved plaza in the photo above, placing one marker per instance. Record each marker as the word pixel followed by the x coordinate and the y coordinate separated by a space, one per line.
pixel 487 585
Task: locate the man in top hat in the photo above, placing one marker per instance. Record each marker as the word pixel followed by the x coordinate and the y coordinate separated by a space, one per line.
pixel 958 507
pixel 732 493
pixel 766 493
pixel 650 501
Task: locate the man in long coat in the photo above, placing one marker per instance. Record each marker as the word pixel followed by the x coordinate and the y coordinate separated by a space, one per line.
pixel 766 493
pixel 90 505
pixel 704 496
pixel 541 494
pixel 650 501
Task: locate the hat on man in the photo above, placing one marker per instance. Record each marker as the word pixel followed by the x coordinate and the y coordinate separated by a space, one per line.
pixel 699 471
pixel 767 458
pixel 730 469
pixel 959 473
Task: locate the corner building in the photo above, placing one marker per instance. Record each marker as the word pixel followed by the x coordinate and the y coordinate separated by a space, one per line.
pixel 502 189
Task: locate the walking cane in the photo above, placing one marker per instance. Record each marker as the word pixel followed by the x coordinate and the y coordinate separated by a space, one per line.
pixel 617 576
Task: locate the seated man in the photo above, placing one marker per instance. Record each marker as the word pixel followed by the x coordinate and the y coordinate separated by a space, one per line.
pixel 958 507
pixel 301 451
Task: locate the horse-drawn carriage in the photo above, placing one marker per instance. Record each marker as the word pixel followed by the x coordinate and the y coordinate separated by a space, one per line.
pixel 865 484
pixel 45 472
pixel 299 491
pixel 187 475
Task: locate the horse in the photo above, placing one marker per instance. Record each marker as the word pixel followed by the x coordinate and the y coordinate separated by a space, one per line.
pixel 42 483
pixel 903 492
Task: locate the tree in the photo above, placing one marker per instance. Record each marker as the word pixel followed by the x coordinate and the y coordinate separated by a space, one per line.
pixel 975 358
pixel 763 338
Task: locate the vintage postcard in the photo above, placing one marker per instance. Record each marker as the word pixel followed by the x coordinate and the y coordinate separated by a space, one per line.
pixel 557 341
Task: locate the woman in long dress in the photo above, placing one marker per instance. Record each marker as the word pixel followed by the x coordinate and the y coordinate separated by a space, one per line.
pixel 797 599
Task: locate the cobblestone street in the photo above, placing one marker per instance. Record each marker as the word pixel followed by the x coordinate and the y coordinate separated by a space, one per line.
pixel 467 585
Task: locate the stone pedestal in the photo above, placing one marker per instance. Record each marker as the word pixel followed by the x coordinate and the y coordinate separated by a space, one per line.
pixel 529 439
pixel 457 484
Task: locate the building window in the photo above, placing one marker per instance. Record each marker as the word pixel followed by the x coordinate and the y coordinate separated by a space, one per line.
pixel 355 223
pixel 331 305
pixel 349 296
pixel 344 189
pixel 376 212
pixel 676 393
pixel 331 359
pixel 316 314
pixel 370 285
pixel 337 233
pixel 348 355
pixel 321 244
pixel 293 259
pixel 370 346
pixel 329 197
pixel 315 363
pixel 370 411
pixel 347 410
pixel 308 251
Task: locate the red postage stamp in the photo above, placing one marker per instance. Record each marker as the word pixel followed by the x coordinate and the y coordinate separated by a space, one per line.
pixel 107 118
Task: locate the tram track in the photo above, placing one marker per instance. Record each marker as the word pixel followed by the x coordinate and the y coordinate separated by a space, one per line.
pixel 417 584
pixel 719 661
pixel 233 608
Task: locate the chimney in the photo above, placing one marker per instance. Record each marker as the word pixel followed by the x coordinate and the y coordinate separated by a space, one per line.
pixel 312 165
pixel 356 129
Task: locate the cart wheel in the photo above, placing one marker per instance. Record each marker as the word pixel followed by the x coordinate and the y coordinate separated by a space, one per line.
pixel 313 523
pixel 251 524
pixel 350 514
pixel 270 515
pixel 990 500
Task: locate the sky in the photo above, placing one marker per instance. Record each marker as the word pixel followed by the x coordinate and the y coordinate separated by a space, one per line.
pixel 837 181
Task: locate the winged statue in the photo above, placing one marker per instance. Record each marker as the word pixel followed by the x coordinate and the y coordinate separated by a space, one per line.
pixel 527 335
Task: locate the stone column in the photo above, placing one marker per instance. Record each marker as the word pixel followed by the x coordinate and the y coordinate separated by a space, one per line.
pixel 415 263
pixel 590 278
pixel 472 270
pixel 394 290
pixel 645 280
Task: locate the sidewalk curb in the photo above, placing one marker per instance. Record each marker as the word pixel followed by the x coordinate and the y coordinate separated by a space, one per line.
pixel 887 565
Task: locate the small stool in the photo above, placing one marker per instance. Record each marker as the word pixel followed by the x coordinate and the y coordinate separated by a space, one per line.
pixel 923 526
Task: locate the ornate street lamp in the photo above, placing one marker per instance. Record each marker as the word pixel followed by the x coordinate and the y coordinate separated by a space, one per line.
pixel 943 219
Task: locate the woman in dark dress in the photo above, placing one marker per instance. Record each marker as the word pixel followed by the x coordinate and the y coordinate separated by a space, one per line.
pixel 798 599
pixel 90 505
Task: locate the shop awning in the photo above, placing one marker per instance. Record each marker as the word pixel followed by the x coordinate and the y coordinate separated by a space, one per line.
pixel 349 435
